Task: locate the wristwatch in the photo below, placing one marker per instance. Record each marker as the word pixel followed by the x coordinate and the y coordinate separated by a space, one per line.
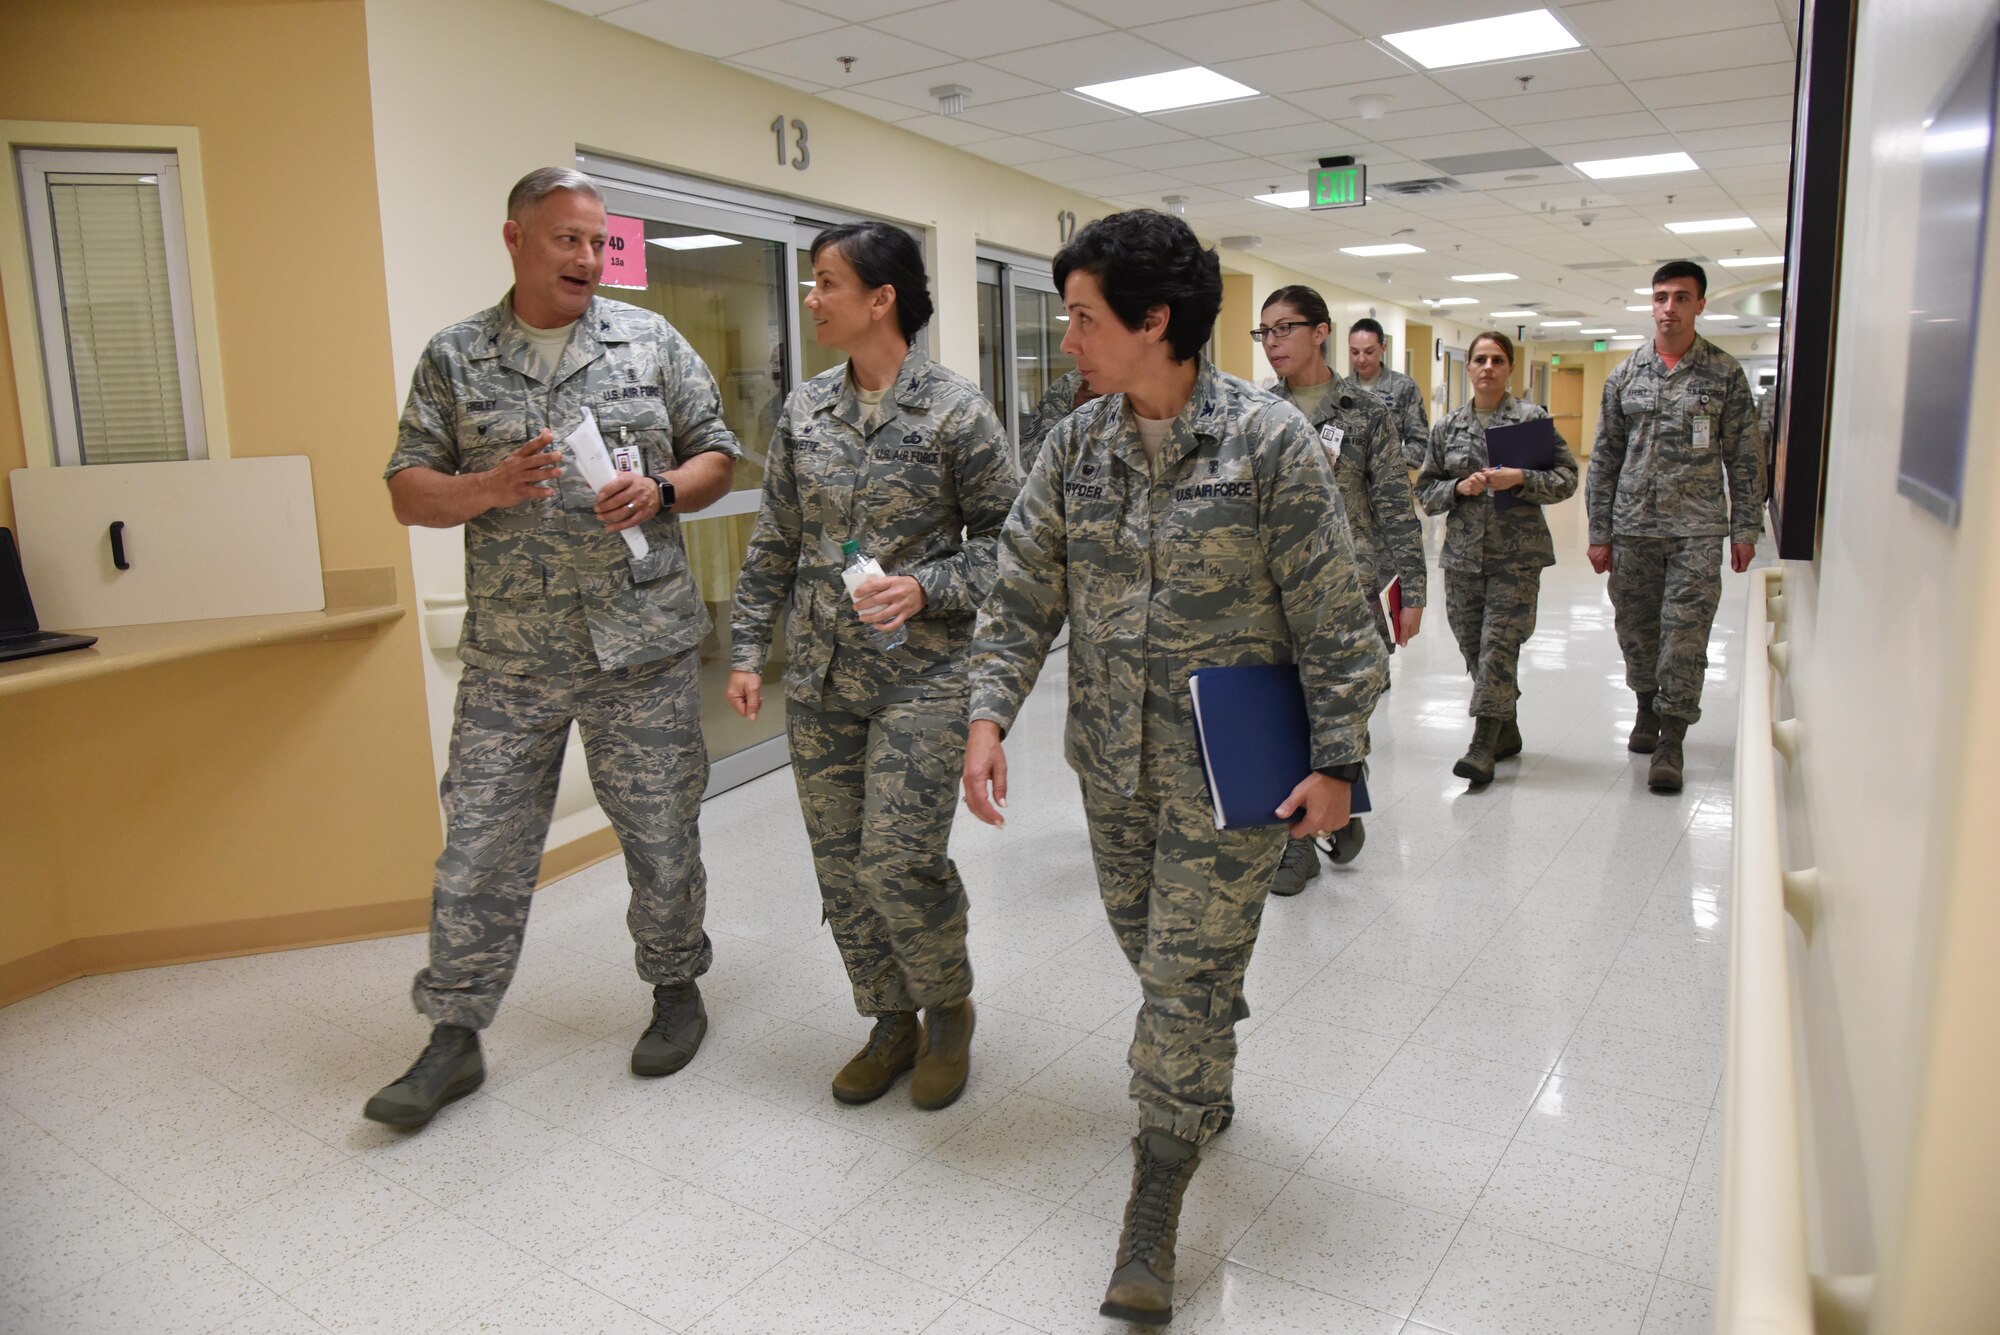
pixel 1347 773
pixel 666 492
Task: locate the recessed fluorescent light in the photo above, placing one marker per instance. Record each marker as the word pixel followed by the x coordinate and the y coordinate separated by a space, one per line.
pixel 1751 261
pixel 1195 86
pixel 1656 164
pixel 1508 315
pixel 1643 291
pixel 1772 324
pixel 1638 308
pixel 1456 301
pixel 706 241
pixel 1561 324
pixel 1712 225
pixel 1626 338
pixel 1286 199
pixel 1597 331
pixel 1393 248
pixel 1482 41
pixel 1484 277
pixel 1710 315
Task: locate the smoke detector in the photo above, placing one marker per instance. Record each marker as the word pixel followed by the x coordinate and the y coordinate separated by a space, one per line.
pixel 950 98
pixel 1371 106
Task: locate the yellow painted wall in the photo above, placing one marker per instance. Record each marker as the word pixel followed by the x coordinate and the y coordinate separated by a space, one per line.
pixel 263 782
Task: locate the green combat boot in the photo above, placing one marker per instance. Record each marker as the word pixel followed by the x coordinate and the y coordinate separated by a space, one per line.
pixel 1345 844
pixel 450 1068
pixel 1142 1287
pixel 1299 865
pixel 1664 774
pixel 1510 740
pixel 679 1024
pixel 1477 762
pixel 1646 728
pixel 944 1057
pixel 891 1050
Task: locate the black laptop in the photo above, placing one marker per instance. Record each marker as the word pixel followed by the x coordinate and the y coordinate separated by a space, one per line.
pixel 21 636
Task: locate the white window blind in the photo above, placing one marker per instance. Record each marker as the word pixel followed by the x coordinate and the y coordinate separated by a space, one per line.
pixel 111 280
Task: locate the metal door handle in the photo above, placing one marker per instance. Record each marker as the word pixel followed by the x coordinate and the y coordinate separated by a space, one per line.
pixel 118 545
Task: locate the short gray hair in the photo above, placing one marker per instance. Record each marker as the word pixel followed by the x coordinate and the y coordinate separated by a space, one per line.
pixel 542 182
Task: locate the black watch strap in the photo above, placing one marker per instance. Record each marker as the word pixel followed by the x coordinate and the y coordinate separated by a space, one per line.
pixel 1347 773
pixel 666 492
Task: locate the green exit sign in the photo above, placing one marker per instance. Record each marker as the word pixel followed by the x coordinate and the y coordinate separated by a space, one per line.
pixel 1555 359
pixel 1338 187
pixel 1600 346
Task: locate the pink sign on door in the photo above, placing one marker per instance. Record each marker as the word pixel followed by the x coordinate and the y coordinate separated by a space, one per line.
pixel 625 253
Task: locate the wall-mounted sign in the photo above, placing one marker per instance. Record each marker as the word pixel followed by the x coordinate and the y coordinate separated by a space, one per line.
pixel 624 252
pixel 1599 346
pixel 1338 187
pixel 1555 359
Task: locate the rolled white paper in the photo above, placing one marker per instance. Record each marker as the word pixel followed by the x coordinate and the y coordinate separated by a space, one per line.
pixel 586 446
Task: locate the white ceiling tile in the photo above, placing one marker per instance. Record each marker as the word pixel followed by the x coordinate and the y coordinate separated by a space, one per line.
pixel 1606 23
pixel 987 86
pixel 1596 150
pixel 1526 109
pixel 1712 115
pixel 1455 145
pixel 1312 67
pixel 1459 118
pixel 1552 73
pixel 1774 80
pixel 1131 13
pixel 1309 139
pixel 1101 136
pixel 1774 155
pixel 1044 111
pixel 1250 116
pixel 1406 93
pixel 976 28
pixel 1372 18
pixel 812 86
pixel 862 11
pixel 1100 59
pixel 712 30
pixel 1736 136
pixel 1673 56
pixel 946 129
pixel 877 55
pixel 594 8
pixel 1072 170
pixel 1551 135
pixel 870 106
pixel 1246 175
pixel 1171 157
pixel 1255 30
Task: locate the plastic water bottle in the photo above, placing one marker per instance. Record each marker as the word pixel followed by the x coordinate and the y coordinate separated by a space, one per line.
pixel 857 569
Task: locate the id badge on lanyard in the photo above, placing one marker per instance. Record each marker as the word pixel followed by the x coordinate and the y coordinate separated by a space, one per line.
pixel 1702 426
pixel 1331 436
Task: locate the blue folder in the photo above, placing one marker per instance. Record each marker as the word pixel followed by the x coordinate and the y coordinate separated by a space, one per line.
pixel 1256 743
pixel 1529 446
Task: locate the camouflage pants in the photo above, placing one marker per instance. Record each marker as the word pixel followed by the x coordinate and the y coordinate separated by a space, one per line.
pixel 1663 593
pixel 1492 614
pixel 641 731
pixel 878 783
pixel 1184 900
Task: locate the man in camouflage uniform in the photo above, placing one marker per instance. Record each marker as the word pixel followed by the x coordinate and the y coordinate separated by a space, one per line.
pixel 1065 396
pixel 923 483
pixel 562 623
pixel 1354 429
pixel 1187 519
pixel 1678 467
pixel 1398 393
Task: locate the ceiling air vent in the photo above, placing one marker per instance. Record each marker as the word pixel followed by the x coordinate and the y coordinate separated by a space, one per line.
pixel 1430 185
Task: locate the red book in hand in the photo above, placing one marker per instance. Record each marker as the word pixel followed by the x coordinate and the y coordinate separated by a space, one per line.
pixel 1392 608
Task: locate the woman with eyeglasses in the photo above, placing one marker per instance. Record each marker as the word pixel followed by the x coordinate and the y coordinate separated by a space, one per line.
pixel 1360 441
pixel 1493 558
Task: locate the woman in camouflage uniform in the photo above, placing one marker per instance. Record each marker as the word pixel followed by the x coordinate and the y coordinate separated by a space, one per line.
pixel 905 458
pixel 1493 558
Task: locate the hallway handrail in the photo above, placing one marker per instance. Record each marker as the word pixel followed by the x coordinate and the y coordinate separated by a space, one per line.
pixel 1762 1283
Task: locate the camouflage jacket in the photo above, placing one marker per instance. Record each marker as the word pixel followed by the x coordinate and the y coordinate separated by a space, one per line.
pixel 924 493
pixel 1668 441
pixel 1405 403
pixel 1367 461
pixel 1057 404
pixel 1235 551
pixel 547 589
pixel 1477 537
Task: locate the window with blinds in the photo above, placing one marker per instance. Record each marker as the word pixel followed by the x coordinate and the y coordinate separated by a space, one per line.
pixel 104 232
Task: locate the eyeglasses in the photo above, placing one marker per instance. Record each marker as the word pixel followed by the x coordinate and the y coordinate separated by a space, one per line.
pixel 1282 329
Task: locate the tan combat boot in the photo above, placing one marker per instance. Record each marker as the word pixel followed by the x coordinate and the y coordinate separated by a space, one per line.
pixel 1664 774
pixel 1510 740
pixel 1476 764
pixel 1142 1286
pixel 1646 728
pixel 944 1058
pixel 891 1050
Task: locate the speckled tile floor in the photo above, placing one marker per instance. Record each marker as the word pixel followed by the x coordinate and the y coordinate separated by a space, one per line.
pixel 1477 1092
